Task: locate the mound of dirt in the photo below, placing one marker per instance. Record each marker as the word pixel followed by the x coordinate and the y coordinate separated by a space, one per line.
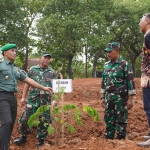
pixel 89 136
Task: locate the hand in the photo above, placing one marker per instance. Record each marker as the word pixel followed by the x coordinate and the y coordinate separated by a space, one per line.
pixel 129 103
pixel 48 89
pixel 23 102
pixel 103 103
pixel 148 72
pixel 54 103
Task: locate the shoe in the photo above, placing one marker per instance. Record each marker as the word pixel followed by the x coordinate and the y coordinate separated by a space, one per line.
pixel 21 140
pixel 120 137
pixel 148 133
pixel 146 137
pixel 144 144
pixel 40 142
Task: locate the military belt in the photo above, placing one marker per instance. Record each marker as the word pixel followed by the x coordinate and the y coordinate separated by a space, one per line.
pixel 6 92
pixel 118 90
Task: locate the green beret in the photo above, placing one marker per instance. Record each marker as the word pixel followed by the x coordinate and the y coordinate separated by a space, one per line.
pixel 8 46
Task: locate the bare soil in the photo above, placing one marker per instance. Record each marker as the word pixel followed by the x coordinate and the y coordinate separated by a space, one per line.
pixel 90 136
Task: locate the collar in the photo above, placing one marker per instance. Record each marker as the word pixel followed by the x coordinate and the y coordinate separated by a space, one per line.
pixel 117 61
pixel 38 66
pixel 7 61
pixel 146 32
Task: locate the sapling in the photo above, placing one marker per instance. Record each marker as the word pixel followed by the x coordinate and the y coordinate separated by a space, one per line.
pixel 58 120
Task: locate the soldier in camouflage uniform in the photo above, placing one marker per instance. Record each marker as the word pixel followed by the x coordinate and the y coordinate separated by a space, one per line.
pixel 36 98
pixel 117 91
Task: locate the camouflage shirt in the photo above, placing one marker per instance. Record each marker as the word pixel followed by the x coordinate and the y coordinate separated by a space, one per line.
pixel 117 74
pixel 44 77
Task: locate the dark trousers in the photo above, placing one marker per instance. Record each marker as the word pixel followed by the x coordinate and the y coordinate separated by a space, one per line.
pixel 146 102
pixel 8 112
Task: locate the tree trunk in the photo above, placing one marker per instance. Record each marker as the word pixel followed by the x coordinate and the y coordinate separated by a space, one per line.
pixel 86 74
pixel 133 66
pixel 25 66
pixel 94 67
pixel 70 72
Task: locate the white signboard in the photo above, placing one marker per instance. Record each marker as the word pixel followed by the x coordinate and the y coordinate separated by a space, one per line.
pixel 60 84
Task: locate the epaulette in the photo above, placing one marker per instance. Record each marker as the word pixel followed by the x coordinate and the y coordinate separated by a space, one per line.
pixel 1 60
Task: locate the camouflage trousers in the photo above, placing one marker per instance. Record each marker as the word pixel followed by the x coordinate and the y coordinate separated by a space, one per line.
pixel 116 115
pixel 41 128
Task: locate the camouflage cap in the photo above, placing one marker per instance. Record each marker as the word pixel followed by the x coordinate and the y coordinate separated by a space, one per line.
pixel 111 46
pixel 8 46
pixel 46 54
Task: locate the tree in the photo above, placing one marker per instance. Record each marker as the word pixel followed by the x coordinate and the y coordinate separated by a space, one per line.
pixel 60 30
pixel 95 30
pixel 123 24
pixel 31 9
pixel 65 28
pixel 16 22
pixel 69 26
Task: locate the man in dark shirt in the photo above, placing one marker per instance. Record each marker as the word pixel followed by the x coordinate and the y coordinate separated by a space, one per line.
pixel 145 70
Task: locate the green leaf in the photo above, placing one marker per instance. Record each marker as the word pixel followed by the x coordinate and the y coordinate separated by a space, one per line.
pixel 78 119
pixel 91 112
pixel 56 110
pixel 51 129
pixel 56 119
pixel 55 97
pixel 69 107
pixel 70 128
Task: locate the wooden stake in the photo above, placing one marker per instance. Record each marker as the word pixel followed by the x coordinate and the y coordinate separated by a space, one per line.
pixel 62 105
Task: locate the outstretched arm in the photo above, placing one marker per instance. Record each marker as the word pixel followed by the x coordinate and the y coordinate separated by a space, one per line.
pixel 37 85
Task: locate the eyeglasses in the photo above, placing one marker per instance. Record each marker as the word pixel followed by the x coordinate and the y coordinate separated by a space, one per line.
pixel 110 45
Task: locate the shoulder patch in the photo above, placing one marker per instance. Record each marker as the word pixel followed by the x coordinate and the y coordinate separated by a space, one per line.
pixel 23 72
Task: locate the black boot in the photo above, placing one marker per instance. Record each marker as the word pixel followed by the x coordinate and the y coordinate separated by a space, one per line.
pixel 120 137
pixel 21 140
pixel 108 137
pixel 40 142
